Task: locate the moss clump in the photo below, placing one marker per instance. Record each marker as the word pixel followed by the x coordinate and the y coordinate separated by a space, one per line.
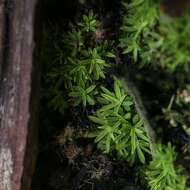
pixel 153 37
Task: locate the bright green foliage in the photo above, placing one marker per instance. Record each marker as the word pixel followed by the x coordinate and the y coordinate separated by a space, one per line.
pixel 83 95
pixel 138 24
pixel 89 23
pixel 77 72
pixel 107 134
pixel 116 101
pixel 90 67
pixel 80 62
pixel 120 127
pixel 161 173
pixel 95 64
pixel 153 37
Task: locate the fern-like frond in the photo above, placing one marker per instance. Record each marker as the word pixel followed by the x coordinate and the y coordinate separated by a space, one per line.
pixel 119 127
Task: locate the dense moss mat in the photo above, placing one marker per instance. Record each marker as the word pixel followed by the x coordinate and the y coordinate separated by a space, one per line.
pixel 114 97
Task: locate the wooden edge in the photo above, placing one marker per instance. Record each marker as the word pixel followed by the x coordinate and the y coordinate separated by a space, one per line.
pixel 15 95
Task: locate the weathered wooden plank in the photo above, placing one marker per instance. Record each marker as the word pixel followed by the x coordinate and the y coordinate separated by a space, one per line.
pixel 16 126
pixel 2 30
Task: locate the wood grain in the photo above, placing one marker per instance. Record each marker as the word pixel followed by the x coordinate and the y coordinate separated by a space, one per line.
pixel 16 60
